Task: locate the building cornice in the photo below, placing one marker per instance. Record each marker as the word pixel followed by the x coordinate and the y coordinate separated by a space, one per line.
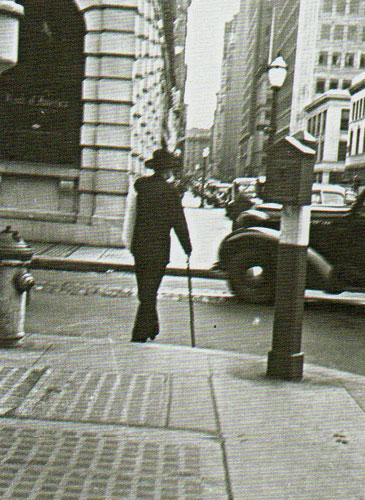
pixel 326 97
pixel 357 87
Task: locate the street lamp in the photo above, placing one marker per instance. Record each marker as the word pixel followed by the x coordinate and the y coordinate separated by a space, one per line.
pixel 205 155
pixel 277 72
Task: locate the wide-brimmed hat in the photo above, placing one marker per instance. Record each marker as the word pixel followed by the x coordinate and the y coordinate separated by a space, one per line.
pixel 162 159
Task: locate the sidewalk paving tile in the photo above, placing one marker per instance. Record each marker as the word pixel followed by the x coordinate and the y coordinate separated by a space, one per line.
pixel 191 404
pixel 86 396
pixel 63 461
pixel 291 440
pixel 87 253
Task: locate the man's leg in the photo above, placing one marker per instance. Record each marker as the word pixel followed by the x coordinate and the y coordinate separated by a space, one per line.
pixel 149 276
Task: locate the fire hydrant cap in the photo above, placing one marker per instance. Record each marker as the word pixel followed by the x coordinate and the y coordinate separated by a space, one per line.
pixel 13 247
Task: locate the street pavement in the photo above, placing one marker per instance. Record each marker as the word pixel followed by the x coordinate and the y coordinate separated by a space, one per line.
pixel 332 335
pixel 86 418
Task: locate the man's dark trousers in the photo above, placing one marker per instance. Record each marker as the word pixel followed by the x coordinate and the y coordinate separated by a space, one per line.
pixel 149 275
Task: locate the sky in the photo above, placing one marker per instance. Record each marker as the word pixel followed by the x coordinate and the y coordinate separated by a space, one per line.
pixel 204 49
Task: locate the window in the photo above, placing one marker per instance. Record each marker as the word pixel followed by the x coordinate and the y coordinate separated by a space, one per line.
pixel 349 60
pixel 362 61
pixel 314 125
pixel 350 142
pixel 327 5
pixel 341 6
pixel 323 58
pixel 40 97
pixel 333 84
pixel 336 60
pixel 326 31
pixel 338 32
pixel 345 117
pixel 320 85
pixel 320 151
pixel 346 84
pixel 318 125
pixel 354 6
pixel 352 33
pixel 324 120
pixel 357 146
pixel 363 35
pixel 356 110
pixel 341 153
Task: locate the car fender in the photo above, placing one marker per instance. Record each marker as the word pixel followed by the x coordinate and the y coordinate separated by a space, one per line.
pixel 249 218
pixel 319 270
pixel 232 242
pixel 252 212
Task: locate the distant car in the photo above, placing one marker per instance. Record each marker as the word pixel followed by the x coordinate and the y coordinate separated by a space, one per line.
pixel 216 193
pixel 335 256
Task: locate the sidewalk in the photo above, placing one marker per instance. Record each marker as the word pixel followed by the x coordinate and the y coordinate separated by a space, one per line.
pixel 101 259
pixel 92 419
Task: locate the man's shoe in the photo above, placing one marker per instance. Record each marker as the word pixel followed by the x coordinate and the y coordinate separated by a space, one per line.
pixel 141 341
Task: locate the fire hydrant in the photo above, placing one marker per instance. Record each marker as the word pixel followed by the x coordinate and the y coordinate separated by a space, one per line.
pixel 15 282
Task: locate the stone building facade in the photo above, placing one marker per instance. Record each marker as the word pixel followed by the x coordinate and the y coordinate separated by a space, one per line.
pixel 328 121
pixel 355 160
pixel 98 86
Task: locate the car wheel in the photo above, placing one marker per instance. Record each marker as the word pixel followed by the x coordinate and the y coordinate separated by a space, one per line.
pixel 251 276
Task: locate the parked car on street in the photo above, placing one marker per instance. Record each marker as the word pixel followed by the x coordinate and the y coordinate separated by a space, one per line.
pixel 335 256
pixel 331 195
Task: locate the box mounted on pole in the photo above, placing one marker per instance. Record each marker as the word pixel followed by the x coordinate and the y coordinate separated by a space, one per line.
pixel 289 172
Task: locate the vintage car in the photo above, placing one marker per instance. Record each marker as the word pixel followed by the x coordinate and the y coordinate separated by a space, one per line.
pixel 332 195
pixel 335 256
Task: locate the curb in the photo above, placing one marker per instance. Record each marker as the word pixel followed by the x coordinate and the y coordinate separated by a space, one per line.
pixel 58 263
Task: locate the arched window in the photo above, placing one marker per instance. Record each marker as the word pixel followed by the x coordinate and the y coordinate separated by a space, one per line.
pixel 40 98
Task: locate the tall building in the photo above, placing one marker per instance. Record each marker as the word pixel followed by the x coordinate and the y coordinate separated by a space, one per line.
pixel 229 105
pixel 255 39
pixel 98 86
pixel 196 140
pixel 323 43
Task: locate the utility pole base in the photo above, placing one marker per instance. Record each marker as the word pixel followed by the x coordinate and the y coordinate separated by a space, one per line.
pixel 285 366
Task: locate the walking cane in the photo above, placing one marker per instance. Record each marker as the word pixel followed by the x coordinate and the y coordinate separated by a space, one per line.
pixel 191 310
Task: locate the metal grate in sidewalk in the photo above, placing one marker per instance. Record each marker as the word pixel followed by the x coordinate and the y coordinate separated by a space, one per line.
pixel 55 250
pixel 136 399
pixel 115 253
pixel 15 385
pixel 39 247
pixel 65 462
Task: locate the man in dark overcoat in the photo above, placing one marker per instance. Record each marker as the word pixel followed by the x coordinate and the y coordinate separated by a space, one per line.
pixel 159 209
